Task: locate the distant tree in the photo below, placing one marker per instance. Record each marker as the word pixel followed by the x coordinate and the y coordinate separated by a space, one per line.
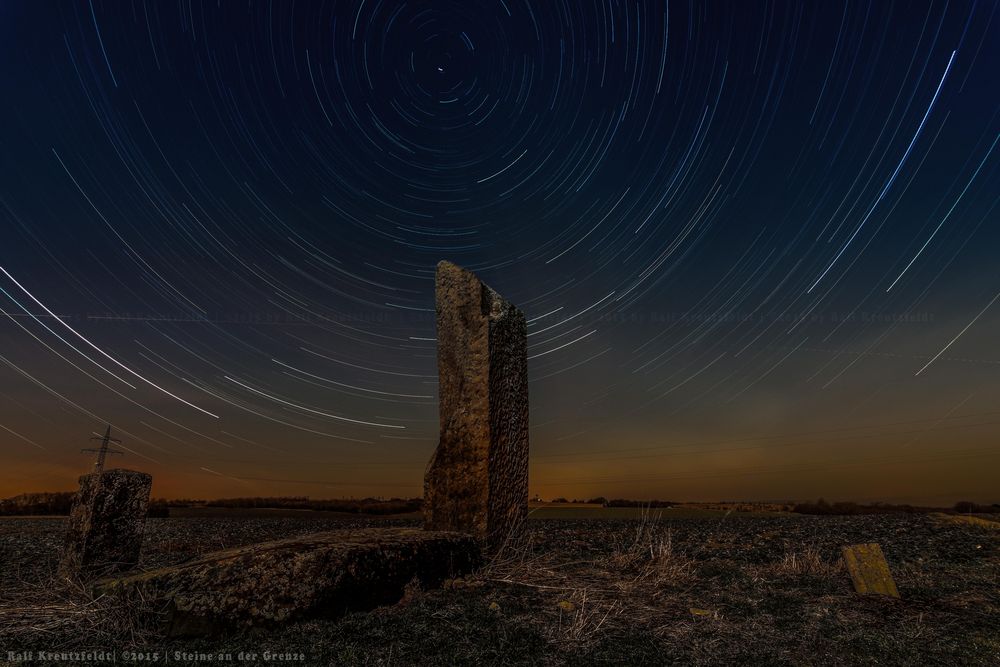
pixel 57 503
pixel 969 507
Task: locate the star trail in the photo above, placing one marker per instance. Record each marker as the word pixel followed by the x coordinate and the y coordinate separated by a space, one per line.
pixel 755 242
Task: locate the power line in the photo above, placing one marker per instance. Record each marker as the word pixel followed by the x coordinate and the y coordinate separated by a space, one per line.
pixel 103 451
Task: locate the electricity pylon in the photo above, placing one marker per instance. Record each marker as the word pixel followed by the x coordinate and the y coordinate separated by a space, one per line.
pixel 103 451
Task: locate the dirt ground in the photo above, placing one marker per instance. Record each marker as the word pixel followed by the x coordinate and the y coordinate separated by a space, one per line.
pixel 658 590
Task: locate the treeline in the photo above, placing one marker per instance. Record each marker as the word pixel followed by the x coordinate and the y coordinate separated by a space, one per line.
pixel 615 502
pixel 59 504
pixel 38 504
pixel 354 506
pixel 600 500
pixel 847 508
pixel 622 502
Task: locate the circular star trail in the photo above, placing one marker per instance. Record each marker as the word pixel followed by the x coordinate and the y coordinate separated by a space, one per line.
pixel 751 239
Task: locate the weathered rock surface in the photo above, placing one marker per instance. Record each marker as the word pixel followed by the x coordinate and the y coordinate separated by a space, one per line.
pixel 322 574
pixel 106 523
pixel 477 480
pixel 869 570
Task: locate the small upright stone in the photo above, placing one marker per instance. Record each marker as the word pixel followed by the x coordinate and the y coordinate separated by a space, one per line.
pixel 869 570
pixel 477 480
pixel 106 523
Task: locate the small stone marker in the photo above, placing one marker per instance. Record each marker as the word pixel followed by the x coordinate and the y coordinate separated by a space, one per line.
pixel 477 480
pixel 869 570
pixel 106 523
pixel 323 574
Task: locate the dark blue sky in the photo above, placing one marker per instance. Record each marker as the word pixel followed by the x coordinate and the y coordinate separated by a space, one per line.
pixel 756 241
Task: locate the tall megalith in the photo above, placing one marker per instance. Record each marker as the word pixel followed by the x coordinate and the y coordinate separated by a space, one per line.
pixel 477 479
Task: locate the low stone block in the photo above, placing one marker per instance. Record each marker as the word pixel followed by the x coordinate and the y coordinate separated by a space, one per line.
pixel 323 574
pixel 106 523
pixel 869 570
pixel 477 480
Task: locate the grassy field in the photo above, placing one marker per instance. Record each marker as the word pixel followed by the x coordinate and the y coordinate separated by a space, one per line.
pixel 706 590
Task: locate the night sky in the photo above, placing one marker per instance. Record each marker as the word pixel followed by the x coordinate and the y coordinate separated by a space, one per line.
pixel 756 242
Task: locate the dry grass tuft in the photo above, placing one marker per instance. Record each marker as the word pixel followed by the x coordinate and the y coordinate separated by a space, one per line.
pixel 650 555
pixel 61 611
pixel 585 600
pixel 806 563
pixel 795 565
pixel 582 617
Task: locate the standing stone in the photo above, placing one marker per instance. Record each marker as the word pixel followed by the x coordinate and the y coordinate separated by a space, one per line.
pixel 477 480
pixel 106 523
pixel 869 570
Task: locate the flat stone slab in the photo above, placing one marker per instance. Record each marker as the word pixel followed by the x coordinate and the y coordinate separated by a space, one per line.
pixel 322 574
pixel 869 570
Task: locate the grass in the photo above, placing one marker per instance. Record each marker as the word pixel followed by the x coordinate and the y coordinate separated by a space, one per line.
pixel 731 589
pixel 67 612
